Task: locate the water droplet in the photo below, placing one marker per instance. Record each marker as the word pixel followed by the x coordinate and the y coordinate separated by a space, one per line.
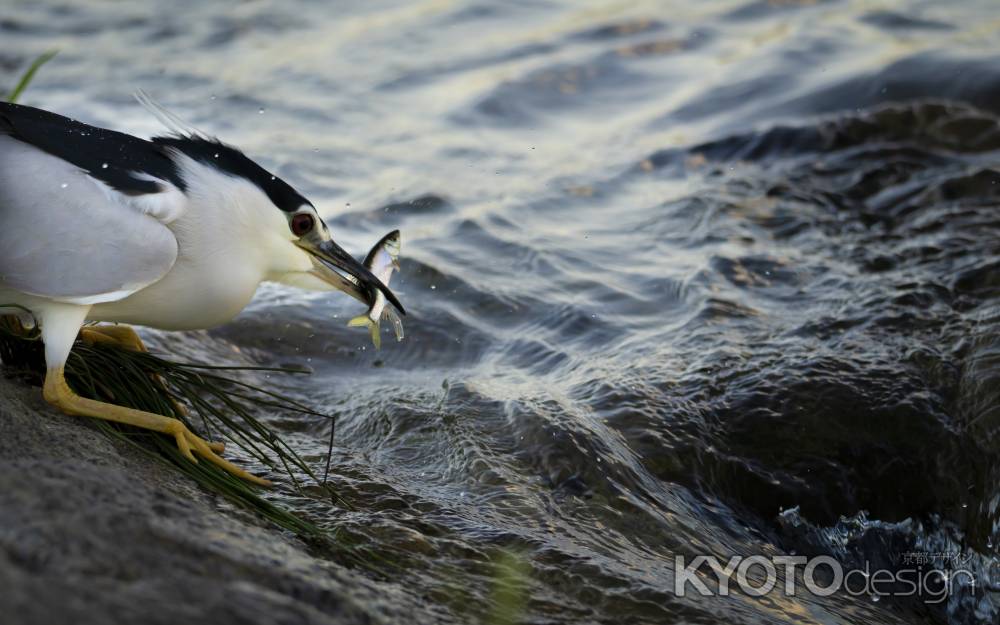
pixel 216 155
pixel 316 150
pixel 260 111
pixel 104 165
pixel 64 185
pixel 212 97
pixel 272 177
pixel 433 287
pixel 875 598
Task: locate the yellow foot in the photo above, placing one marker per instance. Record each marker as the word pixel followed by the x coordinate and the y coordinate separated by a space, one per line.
pixel 123 336
pixel 58 393
pixel 126 337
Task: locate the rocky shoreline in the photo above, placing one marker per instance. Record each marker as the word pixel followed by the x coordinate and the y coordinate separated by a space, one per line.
pixel 92 531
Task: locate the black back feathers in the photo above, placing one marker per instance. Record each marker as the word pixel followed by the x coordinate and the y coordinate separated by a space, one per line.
pixel 115 157
pixel 106 155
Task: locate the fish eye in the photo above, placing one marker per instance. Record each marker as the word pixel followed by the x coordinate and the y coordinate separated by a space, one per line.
pixel 302 224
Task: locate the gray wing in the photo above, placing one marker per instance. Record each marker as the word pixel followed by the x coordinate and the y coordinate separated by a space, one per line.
pixel 67 236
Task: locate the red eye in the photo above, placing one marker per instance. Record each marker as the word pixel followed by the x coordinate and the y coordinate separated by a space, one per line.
pixel 302 224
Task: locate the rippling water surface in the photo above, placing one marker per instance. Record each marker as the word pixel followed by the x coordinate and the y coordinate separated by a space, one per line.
pixel 683 278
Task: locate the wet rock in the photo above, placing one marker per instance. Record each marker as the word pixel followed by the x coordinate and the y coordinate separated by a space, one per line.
pixel 94 532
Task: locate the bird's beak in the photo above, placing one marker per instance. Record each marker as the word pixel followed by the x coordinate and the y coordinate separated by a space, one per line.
pixel 329 259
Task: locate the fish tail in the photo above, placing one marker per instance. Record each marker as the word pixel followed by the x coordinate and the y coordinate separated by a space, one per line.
pixel 359 322
pixel 364 321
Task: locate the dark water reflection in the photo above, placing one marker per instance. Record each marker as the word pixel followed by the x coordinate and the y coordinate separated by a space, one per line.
pixel 714 278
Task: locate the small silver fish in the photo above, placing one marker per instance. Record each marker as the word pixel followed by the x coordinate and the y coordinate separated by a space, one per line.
pixel 381 260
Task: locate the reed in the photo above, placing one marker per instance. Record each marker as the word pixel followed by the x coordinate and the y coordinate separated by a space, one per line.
pixel 221 408
pixel 29 74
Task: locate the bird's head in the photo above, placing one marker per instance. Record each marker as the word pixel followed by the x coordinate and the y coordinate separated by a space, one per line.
pixel 273 224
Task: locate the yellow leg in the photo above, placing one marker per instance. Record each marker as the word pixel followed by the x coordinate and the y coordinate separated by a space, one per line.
pixel 124 336
pixel 58 393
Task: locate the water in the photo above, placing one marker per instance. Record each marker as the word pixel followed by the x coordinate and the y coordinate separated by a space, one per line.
pixel 683 278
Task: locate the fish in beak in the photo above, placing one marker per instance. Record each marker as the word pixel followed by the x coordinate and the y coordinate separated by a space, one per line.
pixel 329 260
pixel 381 261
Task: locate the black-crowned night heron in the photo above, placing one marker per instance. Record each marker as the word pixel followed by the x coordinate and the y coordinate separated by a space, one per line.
pixel 174 233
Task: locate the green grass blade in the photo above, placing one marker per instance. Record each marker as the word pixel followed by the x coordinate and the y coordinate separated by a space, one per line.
pixel 224 407
pixel 29 75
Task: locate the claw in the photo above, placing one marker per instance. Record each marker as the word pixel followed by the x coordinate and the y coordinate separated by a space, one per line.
pixel 180 433
pixel 58 393
pixel 123 336
pixel 204 449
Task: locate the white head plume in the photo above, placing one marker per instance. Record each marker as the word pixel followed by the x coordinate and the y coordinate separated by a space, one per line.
pixel 170 121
